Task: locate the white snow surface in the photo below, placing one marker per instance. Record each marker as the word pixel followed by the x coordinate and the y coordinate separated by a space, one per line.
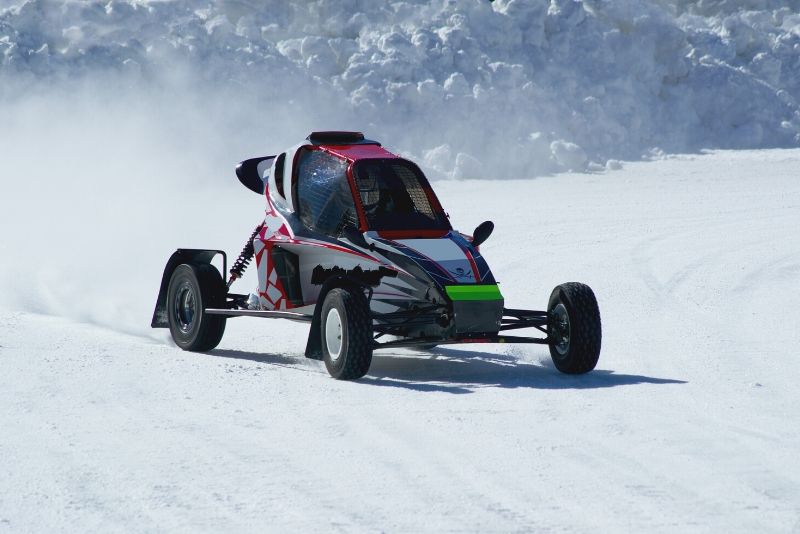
pixel 120 124
pixel 689 422
pixel 471 88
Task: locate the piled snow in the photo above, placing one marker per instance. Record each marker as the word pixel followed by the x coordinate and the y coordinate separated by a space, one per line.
pixel 470 88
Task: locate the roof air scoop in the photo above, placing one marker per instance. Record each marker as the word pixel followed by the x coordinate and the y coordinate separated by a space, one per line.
pixel 339 138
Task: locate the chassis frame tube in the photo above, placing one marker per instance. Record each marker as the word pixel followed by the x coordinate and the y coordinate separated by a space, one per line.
pixel 265 314
pixel 512 319
pixel 459 341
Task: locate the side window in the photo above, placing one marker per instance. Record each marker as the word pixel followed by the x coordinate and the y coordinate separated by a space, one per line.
pixel 278 173
pixel 325 201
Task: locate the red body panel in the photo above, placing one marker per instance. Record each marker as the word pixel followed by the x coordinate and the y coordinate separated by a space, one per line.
pixel 357 152
pixel 353 153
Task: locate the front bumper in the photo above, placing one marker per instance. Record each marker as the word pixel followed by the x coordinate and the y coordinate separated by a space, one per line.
pixel 477 308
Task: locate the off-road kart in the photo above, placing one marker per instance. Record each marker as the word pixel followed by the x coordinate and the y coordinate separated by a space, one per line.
pixel 356 243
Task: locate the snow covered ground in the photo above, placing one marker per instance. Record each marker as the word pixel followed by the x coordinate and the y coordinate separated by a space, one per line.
pixel 689 423
pixel 120 123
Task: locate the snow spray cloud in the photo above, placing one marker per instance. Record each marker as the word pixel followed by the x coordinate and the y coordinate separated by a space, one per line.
pixel 103 177
pixel 122 120
pixel 99 182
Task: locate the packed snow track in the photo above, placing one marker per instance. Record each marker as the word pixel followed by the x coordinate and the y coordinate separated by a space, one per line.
pixel 689 422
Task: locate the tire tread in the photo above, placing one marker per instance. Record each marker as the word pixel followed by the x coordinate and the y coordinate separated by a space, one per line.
pixel 585 328
pixel 358 356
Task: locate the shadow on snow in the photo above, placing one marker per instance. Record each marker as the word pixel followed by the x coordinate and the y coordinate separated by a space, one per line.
pixel 457 371
pixel 279 360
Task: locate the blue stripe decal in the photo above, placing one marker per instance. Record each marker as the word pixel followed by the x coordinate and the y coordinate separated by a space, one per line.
pixel 436 271
pixel 484 272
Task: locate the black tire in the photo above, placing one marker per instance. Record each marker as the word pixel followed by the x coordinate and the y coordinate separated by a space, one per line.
pixel 192 289
pixel 574 329
pixel 349 309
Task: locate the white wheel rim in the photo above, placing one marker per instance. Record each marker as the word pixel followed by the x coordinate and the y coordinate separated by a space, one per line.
pixel 333 334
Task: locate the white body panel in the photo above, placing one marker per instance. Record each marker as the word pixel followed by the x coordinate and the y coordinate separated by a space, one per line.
pixel 446 253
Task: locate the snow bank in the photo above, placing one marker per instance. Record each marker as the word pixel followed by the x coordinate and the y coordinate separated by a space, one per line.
pixel 471 88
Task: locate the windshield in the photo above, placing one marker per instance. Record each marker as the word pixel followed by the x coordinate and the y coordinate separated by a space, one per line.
pixel 325 202
pixel 394 194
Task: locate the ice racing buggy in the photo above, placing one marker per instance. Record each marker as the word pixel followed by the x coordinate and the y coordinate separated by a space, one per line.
pixel 356 243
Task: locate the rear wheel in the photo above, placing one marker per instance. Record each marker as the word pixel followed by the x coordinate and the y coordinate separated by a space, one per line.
pixel 346 330
pixel 573 328
pixel 192 289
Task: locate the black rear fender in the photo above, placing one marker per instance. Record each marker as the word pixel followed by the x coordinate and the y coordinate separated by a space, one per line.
pixel 180 256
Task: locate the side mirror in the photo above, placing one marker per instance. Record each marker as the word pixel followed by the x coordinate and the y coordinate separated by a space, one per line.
pixel 249 173
pixel 482 233
pixel 352 234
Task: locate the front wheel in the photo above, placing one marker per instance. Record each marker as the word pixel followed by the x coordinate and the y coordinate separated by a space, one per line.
pixel 346 330
pixel 573 328
pixel 192 289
